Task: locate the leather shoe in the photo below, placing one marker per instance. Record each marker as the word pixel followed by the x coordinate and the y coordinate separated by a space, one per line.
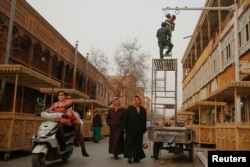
pixel 84 153
pixel 95 141
pixel 136 160
pixel 116 157
pixel 129 160
pixel 155 157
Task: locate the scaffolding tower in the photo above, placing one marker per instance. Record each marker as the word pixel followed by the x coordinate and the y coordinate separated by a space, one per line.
pixel 164 89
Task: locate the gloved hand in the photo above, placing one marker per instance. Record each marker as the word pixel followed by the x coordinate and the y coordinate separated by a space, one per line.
pixel 65 116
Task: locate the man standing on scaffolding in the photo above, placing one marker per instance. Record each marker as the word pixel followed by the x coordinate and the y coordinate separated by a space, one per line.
pixel 164 39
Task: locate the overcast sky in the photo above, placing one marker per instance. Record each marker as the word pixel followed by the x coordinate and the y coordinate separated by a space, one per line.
pixel 104 24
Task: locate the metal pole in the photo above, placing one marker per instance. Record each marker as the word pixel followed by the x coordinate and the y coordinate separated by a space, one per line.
pixel 87 71
pixel 8 46
pixel 236 61
pixel 201 8
pixel 11 23
pixel 75 66
pixel 236 43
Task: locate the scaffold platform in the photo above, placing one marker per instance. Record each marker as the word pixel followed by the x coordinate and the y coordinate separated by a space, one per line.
pixel 164 88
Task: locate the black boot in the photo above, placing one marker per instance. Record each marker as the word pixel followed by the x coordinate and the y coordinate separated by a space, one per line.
pixel 84 153
pixel 116 157
pixel 136 160
pixel 130 160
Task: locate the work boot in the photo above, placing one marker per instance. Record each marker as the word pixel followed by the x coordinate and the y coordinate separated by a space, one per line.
pixel 84 153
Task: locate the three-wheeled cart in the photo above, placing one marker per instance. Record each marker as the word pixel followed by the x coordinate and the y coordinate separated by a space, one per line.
pixel 174 139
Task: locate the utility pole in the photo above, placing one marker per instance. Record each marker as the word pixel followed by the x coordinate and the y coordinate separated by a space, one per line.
pixel 10 29
pixel 87 71
pixel 8 46
pixel 233 8
pixel 75 66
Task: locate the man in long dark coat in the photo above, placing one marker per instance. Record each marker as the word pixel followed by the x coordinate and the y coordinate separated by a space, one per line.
pixel 135 121
pixel 115 119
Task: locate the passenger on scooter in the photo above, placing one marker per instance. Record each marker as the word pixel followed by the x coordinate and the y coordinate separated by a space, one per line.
pixel 64 123
pixel 76 124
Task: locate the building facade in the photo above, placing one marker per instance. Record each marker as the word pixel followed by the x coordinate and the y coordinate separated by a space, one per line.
pixel 38 63
pixel 37 45
pixel 216 75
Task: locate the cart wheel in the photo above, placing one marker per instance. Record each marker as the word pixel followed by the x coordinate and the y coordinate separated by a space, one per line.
pixel 191 152
pixel 6 156
pixel 156 149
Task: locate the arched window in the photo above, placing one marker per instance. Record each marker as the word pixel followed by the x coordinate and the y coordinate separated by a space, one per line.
pixel 68 75
pixel 80 83
pixel 20 48
pixel 59 73
pixel 54 66
pixel 37 52
pixel 45 55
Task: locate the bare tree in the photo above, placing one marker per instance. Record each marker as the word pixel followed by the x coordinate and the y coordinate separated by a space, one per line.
pixel 131 68
pixel 99 60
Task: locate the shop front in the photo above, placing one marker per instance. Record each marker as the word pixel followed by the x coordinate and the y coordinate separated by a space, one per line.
pixel 233 130
pixel 18 121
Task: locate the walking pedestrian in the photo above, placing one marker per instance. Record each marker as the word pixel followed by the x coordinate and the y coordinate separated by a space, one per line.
pixel 135 125
pixel 114 120
pixel 96 126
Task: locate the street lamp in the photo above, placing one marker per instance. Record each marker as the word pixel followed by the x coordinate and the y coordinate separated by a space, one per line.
pixel 187 36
